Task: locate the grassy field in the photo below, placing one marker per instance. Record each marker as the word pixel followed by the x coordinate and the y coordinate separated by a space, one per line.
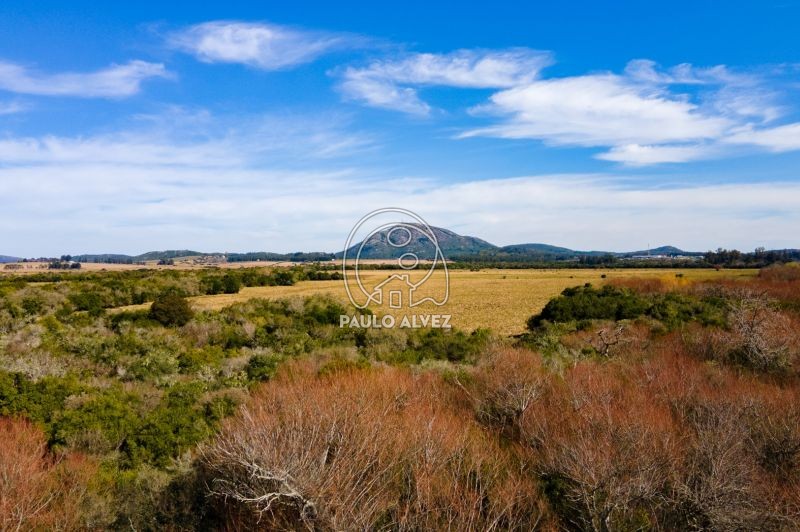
pixel 183 263
pixel 498 299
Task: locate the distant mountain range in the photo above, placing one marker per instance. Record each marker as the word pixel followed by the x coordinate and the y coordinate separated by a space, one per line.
pixel 546 251
pixel 150 255
pixel 393 242
pixel 455 246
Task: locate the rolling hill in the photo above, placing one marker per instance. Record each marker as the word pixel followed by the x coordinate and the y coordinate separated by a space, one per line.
pixel 386 244
pixel 150 255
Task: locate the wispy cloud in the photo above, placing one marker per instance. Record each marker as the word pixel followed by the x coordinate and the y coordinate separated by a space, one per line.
pixel 736 94
pixel 643 116
pixel 116 81
pixel 11 107
pixel 777 139
pixel 193 139
pixel 638 155
pixel 392 84
pixel 597 110
pixel 187 178
pixel 259 45
pixel 238 208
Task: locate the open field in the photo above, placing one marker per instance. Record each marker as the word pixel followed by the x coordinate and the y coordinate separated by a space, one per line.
pixel 501 300
pixel 185 263
pixel 181 264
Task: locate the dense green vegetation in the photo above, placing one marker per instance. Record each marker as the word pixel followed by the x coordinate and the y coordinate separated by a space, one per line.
pixel 612 303
pixel 56 292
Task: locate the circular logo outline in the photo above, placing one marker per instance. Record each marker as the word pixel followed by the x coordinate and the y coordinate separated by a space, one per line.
pixel 425 229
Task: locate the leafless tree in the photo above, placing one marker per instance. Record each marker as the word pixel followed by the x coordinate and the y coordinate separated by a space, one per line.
pixel 608 338
pixel 762 334
pixel 365 449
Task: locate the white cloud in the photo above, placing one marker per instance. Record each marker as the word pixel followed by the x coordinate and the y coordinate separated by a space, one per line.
pixel 115 81
pixel 777 139
pixel 134 150
pixel 9 108
pixel 464 68
pixel 638 155
pixel 263 46
pixel 143 190
pixel 188 139
pixel 646 116
pixel 643 117
pixel 382 93
pixel 123 208
pixel 597 110
pixel 648 71
pixel 392 84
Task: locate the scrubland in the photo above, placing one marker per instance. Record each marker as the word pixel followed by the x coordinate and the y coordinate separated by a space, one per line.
pixel 498 299
pixel 636 402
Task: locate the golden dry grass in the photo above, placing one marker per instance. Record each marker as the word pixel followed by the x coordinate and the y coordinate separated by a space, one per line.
pixel 501 300
pixel 180 264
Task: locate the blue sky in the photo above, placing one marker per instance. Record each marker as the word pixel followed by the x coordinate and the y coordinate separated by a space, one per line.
pixel 267 126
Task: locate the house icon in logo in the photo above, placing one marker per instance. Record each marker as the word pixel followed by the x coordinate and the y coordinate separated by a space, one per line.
pixel 399 289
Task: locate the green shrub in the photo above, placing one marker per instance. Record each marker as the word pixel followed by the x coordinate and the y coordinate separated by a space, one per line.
pixel 581 304
pixel 194 359
pixel 99 423
pixel 282 278
pixel 90 302
pixel 139 318
pixel 262 367
pixel 174 426
pixel 32 306
pixel 674 309
pixel 38 401
pixel 589 303
pixel 231 284
pixel 170 309
pixel 212 286
pixel 157 362
pixel 442 344
pixel 323 311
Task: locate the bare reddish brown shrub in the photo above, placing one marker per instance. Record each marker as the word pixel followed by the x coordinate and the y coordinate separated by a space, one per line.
pixel 780 272
pixel 39 491
pixel 717 486
pixel 668 441
pixel 604 450
pixel 707 343
pixel 762 335
pixel 505 384
pixel 775 436
pixel 781 283
pixel 740 441
pixel 785 290
pixel 365 449
pixel 758 335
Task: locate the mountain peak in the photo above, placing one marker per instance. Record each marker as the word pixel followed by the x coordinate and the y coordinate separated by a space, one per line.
pixel 397 240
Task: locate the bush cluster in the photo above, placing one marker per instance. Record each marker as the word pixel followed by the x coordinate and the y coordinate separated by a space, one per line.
pixel 615 303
